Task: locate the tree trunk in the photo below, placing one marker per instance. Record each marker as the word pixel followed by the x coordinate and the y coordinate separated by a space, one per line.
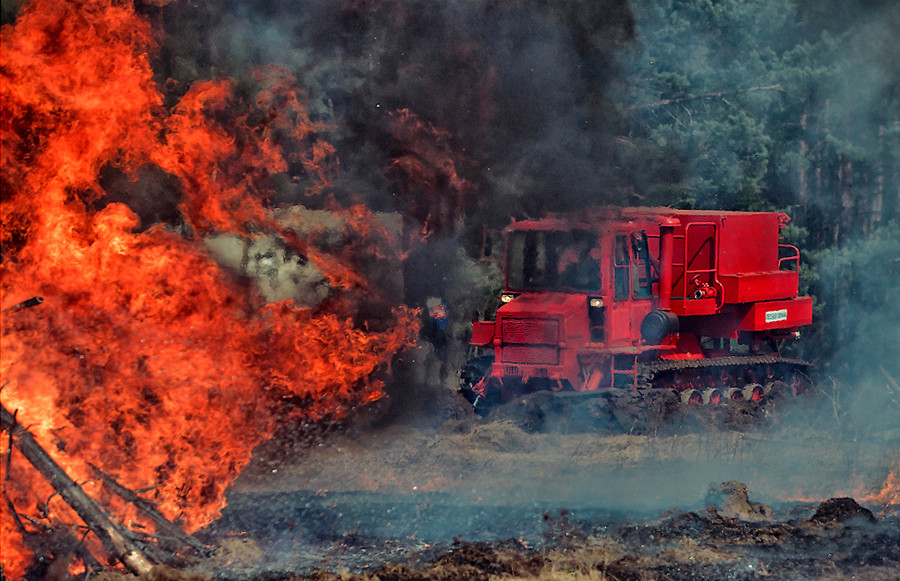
pixel 118 542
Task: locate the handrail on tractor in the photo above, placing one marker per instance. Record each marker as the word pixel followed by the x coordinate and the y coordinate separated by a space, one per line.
pixel 793 257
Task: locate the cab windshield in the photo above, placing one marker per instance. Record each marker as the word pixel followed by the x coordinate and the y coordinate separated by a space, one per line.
pixel 554 260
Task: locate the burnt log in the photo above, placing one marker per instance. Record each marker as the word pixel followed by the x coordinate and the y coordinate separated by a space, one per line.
pixel 165 527
pixel 26 304
pixel 117 540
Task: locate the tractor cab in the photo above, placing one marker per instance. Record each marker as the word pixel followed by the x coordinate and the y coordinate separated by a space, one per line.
pixel 573 291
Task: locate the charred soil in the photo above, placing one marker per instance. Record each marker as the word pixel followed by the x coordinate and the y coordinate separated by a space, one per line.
pixel 548 490
pixel 418 487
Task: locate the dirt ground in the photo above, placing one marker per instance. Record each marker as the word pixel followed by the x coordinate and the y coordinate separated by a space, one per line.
pixel 419 487
pixel 537 449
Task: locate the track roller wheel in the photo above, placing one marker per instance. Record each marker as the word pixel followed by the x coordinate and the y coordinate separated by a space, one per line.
pixel 753 392
pixel 712 396
pixel 691 397
pixel 732 393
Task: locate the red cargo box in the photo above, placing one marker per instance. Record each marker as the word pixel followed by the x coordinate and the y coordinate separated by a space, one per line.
pixel 760 286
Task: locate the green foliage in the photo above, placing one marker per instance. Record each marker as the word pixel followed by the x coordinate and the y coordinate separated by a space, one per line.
pixel 740 104
pixel 773 104
pixel 698 74
pixel 726 159
pixel 859 289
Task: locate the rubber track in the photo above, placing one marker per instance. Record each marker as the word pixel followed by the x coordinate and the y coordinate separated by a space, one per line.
pixel 648 371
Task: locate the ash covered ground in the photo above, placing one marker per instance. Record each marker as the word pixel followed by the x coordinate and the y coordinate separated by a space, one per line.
pixel 418 487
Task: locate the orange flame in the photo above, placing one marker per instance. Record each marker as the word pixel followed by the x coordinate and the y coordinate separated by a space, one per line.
pixel 426 172
pixel 885 499
pixel 145 358
pixel 889 495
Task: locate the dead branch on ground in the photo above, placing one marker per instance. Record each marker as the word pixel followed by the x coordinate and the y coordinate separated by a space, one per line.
pixel 118 540
pixel 165 527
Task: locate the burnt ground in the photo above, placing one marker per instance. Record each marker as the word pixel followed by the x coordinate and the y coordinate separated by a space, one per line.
pixel 371 536
pixel 418 487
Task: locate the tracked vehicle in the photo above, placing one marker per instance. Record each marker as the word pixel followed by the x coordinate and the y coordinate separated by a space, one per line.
pixel 699 303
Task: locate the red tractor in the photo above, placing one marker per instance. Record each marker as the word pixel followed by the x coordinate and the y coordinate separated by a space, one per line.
pixel 694 301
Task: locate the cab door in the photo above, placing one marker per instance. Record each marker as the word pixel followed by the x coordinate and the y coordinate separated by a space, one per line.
pixel 631 290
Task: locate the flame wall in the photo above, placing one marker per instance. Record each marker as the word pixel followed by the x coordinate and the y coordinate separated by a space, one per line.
pixel 146 358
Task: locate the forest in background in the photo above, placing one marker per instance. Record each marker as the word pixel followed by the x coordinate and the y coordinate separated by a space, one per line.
pixel 462 115
pixel 787 105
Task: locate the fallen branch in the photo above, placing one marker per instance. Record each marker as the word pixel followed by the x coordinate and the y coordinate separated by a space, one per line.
pixel 90 562
pixel 164 525
pixel 15 515
pixel 9 448
pixel 115 539
pixel 710 95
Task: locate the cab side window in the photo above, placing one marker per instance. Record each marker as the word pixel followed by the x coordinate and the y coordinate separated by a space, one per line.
pixel 622 268
pixel 642 276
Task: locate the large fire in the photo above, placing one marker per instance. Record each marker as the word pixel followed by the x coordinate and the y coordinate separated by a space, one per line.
pixel 145 357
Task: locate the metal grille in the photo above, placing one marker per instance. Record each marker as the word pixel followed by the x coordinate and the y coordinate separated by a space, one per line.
pixel 530 341
pixel 530 331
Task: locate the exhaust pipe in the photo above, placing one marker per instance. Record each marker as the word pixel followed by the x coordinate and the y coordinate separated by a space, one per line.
pixel 666 254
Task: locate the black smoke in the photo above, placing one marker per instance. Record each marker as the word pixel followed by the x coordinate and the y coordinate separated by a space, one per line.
pixel 522 88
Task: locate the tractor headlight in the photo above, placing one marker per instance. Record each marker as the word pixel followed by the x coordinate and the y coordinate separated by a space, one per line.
pixel 595 302
pixel 506 297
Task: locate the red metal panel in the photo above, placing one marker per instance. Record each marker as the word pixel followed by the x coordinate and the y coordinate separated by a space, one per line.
pixel 695 253
pixel 694 307
pixel 700 244
pixel 482 333
pixel 784 314
pixel 748 243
